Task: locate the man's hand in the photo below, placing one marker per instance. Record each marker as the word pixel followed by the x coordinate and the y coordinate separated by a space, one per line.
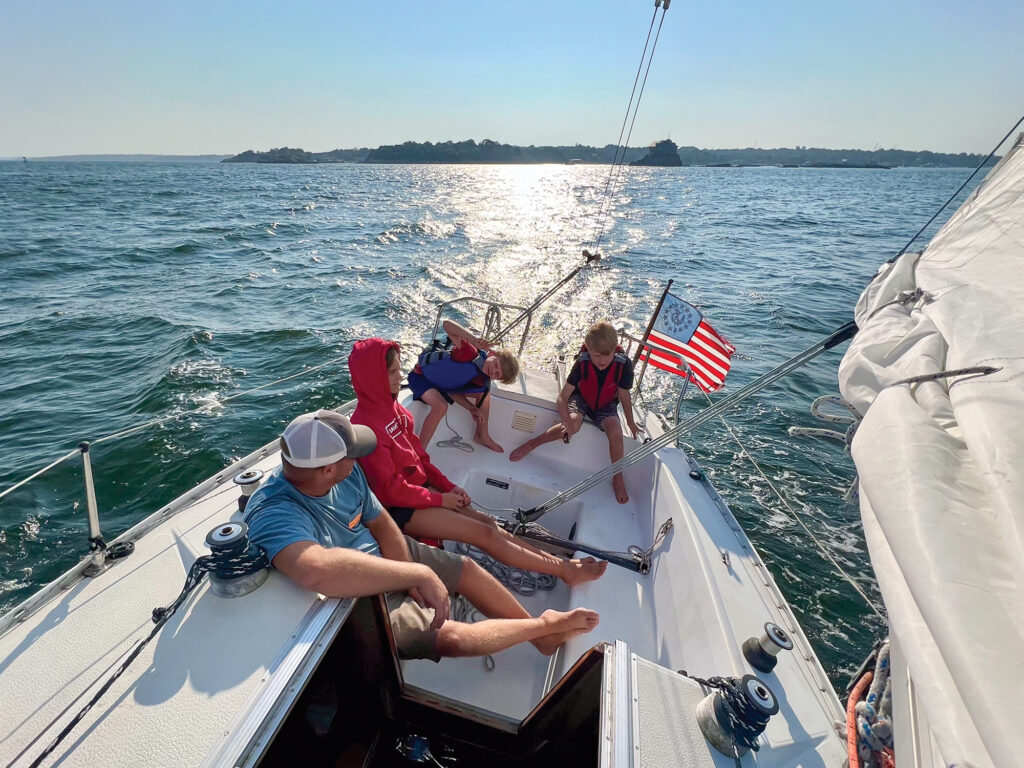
pixel 637 431
pixel 452 500
pixel 477 415
pixel 430 593
pixel 566 435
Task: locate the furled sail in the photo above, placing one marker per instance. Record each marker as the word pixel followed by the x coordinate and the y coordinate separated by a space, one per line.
pixel 941 467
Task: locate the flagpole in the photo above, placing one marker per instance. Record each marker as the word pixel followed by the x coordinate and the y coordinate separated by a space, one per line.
pixel 650 325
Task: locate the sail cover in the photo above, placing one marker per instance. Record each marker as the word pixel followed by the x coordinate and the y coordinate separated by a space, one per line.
pixel 941 467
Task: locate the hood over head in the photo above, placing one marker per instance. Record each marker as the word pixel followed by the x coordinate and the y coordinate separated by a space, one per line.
pixel 369 370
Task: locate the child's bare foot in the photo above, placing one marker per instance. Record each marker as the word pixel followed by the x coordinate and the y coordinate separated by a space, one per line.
pixel 580 571
pixel 619 486
pixel 521 451
pixel 565 625
pixel 488 442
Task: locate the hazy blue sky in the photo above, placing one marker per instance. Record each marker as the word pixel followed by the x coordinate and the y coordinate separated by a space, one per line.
pixel 189 77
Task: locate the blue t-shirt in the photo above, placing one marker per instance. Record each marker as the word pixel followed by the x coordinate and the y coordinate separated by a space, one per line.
pixel 279 514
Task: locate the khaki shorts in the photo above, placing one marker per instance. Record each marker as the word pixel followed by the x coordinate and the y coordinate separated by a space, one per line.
pixel 411 623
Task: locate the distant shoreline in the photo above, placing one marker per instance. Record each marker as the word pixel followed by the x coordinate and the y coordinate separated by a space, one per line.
pixel 487 152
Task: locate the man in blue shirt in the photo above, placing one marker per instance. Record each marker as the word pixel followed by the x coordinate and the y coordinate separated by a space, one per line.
pixel 323 528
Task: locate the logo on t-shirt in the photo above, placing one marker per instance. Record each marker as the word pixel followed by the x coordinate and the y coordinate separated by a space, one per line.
pixel 393 428
pixel 355 520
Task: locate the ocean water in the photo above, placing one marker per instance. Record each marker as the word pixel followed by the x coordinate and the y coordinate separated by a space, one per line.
pixel 144 291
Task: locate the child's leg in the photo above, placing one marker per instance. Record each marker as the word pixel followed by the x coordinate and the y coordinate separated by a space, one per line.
pixel 613 430
pixel 438 408
pixel 555 432
pixel 480 416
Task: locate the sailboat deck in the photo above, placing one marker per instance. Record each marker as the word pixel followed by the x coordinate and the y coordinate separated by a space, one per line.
pixel 226 671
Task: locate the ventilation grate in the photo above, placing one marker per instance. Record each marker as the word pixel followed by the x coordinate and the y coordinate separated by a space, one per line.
pixel 524 422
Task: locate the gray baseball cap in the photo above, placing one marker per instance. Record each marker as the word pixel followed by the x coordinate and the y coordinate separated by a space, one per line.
pixel 324 437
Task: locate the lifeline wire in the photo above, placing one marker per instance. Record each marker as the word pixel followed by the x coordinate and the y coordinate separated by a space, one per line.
pixel 821 547
pixel 163 419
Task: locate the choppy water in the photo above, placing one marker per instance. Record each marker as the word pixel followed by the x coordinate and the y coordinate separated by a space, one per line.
pixel 135 291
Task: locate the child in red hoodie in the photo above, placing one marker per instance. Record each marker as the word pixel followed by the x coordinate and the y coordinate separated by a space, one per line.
pixel 422 501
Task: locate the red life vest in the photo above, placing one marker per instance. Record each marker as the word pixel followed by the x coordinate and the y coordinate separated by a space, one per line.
pixel 594 398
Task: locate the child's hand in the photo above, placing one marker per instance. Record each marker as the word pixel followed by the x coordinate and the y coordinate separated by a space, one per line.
pixel 565 432
pixel 452 500
pixel 466 501
pixel 637 431
pixel 477 415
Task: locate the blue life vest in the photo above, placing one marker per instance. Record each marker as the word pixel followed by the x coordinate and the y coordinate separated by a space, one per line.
pixel 448 375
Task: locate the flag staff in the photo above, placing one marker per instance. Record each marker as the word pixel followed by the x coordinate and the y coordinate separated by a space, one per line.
pixel 647 334
pixel 650 325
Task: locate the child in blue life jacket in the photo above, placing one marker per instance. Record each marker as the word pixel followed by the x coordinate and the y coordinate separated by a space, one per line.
pixel 462 374
pixel 598 383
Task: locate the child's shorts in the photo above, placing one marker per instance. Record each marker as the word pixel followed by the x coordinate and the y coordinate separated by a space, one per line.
pixel 420 385
pixel 578 405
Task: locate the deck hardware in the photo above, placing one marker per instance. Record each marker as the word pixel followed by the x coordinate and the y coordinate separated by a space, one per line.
pixel 97 547
pixel 523 421
pixel 247 482
pixel 762 652
pixel 228 540
pixel 725 558
pixel 696 474
pixel 735 713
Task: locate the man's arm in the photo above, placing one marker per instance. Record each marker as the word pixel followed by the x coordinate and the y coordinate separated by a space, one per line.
pixel 389 538
pixel 456 332
pixel 340 572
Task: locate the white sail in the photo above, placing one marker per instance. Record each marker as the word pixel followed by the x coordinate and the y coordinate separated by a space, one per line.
pixel 941 468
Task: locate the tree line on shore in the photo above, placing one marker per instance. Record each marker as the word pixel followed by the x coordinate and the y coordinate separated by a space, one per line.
pixel 487 151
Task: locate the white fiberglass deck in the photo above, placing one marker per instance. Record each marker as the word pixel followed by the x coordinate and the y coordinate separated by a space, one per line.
pixel 707 591
pixel 223 671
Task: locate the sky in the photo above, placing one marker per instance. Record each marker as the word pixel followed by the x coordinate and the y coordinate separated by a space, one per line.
pixel 220 76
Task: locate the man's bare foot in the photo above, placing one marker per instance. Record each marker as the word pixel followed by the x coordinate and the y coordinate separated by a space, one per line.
pixel 619 486
pixel 580 571
pixel 521 451
pixel 565 625
pixel 488 442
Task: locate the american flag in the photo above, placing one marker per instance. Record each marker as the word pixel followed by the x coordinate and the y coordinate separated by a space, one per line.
pixel 679 333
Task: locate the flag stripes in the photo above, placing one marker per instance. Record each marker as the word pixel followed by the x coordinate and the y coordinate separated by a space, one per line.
pixel 708 354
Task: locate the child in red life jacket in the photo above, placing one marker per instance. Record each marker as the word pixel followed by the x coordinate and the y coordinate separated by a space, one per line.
pixel 598 383
pixel 423 502
pixel 461 375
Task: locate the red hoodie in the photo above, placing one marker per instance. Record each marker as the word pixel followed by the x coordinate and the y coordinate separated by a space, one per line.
pixel 399 467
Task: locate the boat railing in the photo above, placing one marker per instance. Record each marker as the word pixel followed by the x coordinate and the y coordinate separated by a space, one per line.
pixel 492 322
pixel 99 552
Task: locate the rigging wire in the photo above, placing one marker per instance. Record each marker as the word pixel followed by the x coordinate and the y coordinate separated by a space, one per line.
pixel 958 190
pixel 821 547
pixel 618 162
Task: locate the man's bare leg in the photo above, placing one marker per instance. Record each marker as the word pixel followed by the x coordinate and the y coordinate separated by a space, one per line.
pixel 508 622
pixel 438 408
